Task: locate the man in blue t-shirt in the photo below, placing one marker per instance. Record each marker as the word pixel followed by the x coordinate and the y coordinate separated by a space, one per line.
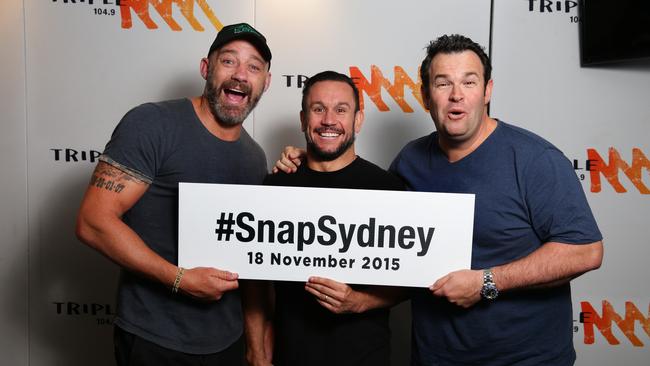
pixel 533 228
pixel 169 315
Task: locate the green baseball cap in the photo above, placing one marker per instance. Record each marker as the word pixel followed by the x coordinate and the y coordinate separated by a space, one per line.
pixel 245 32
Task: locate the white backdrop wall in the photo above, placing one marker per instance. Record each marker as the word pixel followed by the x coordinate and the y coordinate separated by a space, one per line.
pixel 73 68
pixel 13 191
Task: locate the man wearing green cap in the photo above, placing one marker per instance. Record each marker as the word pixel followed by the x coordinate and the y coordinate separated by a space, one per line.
pixel 169 315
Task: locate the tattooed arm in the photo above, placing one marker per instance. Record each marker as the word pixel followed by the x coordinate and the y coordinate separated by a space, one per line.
pixel 110 194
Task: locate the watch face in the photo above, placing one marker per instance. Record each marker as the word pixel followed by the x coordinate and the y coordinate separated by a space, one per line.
pixel 489 291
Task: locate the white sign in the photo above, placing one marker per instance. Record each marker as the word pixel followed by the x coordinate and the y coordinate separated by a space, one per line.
pixel 349 235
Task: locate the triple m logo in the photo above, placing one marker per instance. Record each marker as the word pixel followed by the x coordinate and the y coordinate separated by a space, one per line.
pixel 605 320
pixel 598 167
pixel 143 8
pixel 372 87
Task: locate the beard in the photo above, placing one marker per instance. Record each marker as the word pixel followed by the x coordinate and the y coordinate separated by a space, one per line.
pixel 224 114
pixel 323 155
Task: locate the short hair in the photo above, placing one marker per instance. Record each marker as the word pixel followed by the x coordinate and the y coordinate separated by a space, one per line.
pixel 454 43
pixel 329 76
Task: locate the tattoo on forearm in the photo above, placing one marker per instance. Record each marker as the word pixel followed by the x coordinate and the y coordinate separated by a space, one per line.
pixel 111 179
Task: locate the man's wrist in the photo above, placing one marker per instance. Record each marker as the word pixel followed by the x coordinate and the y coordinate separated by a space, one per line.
pixel 177 281
pixel 360 301
pixel 489 290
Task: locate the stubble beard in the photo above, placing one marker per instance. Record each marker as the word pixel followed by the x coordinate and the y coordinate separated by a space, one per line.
pixel 322 155
pixel 227 115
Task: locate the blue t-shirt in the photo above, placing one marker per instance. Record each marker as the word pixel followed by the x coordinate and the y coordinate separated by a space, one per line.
pixel 163 144
pixel 527 194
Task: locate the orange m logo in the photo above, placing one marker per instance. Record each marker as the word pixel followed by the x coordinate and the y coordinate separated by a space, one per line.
pixel 609 315
pixel 616 163
pixel 164 8
pixel 396 90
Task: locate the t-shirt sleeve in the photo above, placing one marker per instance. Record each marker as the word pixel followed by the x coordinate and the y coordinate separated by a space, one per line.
pixel 557 205
pixel 136 143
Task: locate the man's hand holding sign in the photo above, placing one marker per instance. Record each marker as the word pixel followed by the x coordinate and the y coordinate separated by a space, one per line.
pixel 340 298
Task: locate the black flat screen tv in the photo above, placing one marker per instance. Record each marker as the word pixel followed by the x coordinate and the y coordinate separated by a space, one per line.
pixel 614 31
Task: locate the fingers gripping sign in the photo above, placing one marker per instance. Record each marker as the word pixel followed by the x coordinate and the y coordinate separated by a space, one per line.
pixel 336 297
pixel 208 283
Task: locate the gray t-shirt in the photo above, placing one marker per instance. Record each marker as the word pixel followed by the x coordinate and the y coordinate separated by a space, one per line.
pixel 163 144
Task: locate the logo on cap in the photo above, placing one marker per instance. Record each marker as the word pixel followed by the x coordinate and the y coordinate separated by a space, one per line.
pixel 245 28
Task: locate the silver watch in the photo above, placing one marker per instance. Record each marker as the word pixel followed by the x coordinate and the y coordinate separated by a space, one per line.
pixel 489 290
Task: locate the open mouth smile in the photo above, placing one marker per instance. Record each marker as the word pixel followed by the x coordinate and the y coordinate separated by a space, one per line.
pixel 328 133
pixel 235 93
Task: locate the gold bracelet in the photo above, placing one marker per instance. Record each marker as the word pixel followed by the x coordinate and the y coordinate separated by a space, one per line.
pixel 177 281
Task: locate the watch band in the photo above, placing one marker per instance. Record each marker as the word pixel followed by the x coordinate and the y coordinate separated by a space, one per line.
pixel 488 276
pixel 489 290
